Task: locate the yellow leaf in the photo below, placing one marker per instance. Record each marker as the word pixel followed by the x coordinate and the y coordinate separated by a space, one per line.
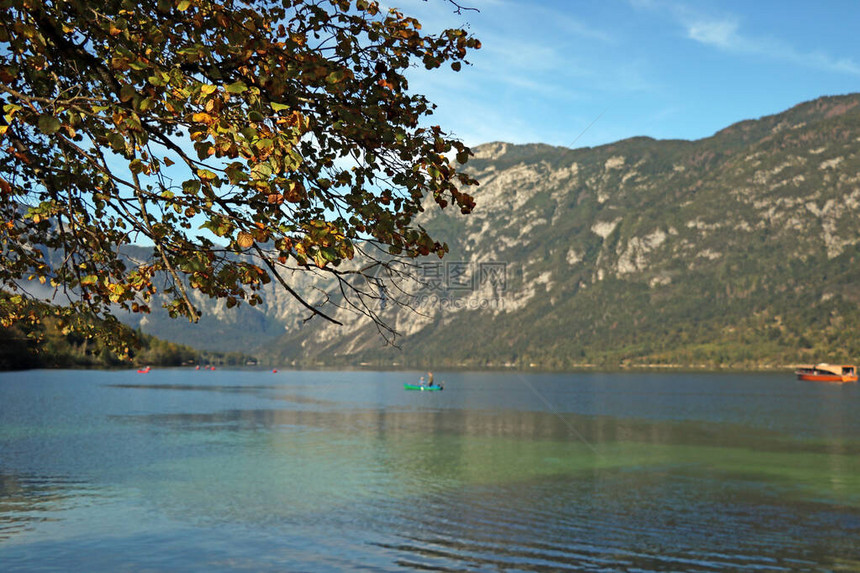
pixel 244 239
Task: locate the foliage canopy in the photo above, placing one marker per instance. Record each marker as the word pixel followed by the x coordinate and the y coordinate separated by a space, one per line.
pixel 286 129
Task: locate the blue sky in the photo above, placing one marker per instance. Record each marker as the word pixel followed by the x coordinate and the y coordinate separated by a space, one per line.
pixel 663 68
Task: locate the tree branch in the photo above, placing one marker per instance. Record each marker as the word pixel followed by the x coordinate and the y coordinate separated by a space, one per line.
pixel 287 287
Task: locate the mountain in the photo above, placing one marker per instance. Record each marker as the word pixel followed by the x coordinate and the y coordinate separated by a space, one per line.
pixel 737 250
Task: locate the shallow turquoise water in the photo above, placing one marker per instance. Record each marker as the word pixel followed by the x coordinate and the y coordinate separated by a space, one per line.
pixel 187 470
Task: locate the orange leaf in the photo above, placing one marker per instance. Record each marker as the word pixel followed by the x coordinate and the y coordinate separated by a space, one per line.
pixel 244 239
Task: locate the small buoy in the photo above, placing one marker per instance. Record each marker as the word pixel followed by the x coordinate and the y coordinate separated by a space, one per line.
pixel 275 371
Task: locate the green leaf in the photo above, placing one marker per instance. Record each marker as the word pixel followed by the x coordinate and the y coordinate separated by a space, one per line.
pixel 48 124
pixel 235 172
pixel 137 65
pixel 335 77
pixel 236 87
pixel 157 79
pixel 329 254
pixel 279 106
pixel 191 187
pixel 192 265
pixel 127 92
pixel 262 170
pixel 183 5
pixel 116 141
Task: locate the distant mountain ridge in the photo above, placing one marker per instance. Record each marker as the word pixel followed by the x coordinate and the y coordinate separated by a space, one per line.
pixel 737 250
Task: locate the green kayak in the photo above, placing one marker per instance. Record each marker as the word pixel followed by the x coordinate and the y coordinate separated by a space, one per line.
pixel 431 388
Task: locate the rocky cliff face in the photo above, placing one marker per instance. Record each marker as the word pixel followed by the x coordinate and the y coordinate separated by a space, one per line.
pixel 738 249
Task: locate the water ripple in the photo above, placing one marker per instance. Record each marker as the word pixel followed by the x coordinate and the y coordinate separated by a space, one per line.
pixel 510 530
pixel 26 500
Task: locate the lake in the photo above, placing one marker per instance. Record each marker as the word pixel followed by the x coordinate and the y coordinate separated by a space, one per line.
pixel 237 470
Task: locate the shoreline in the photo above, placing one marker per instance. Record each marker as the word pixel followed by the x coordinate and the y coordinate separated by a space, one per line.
pixel 580 368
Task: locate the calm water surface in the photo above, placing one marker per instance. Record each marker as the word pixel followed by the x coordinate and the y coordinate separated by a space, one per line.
pixel 184 470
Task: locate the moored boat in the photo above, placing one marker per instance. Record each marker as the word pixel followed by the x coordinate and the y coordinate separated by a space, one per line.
pixel 827 372
pixel 430 388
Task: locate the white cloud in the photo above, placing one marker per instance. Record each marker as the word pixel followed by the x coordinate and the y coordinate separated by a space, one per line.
pixel 724 33
pixel 726 36
pixel 719 33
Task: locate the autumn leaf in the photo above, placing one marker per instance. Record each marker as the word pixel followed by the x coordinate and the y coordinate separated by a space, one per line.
pixel 202 118
pixel 244 239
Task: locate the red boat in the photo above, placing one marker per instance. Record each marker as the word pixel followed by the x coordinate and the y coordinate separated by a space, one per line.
pixel 143 370
pixel 827 373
